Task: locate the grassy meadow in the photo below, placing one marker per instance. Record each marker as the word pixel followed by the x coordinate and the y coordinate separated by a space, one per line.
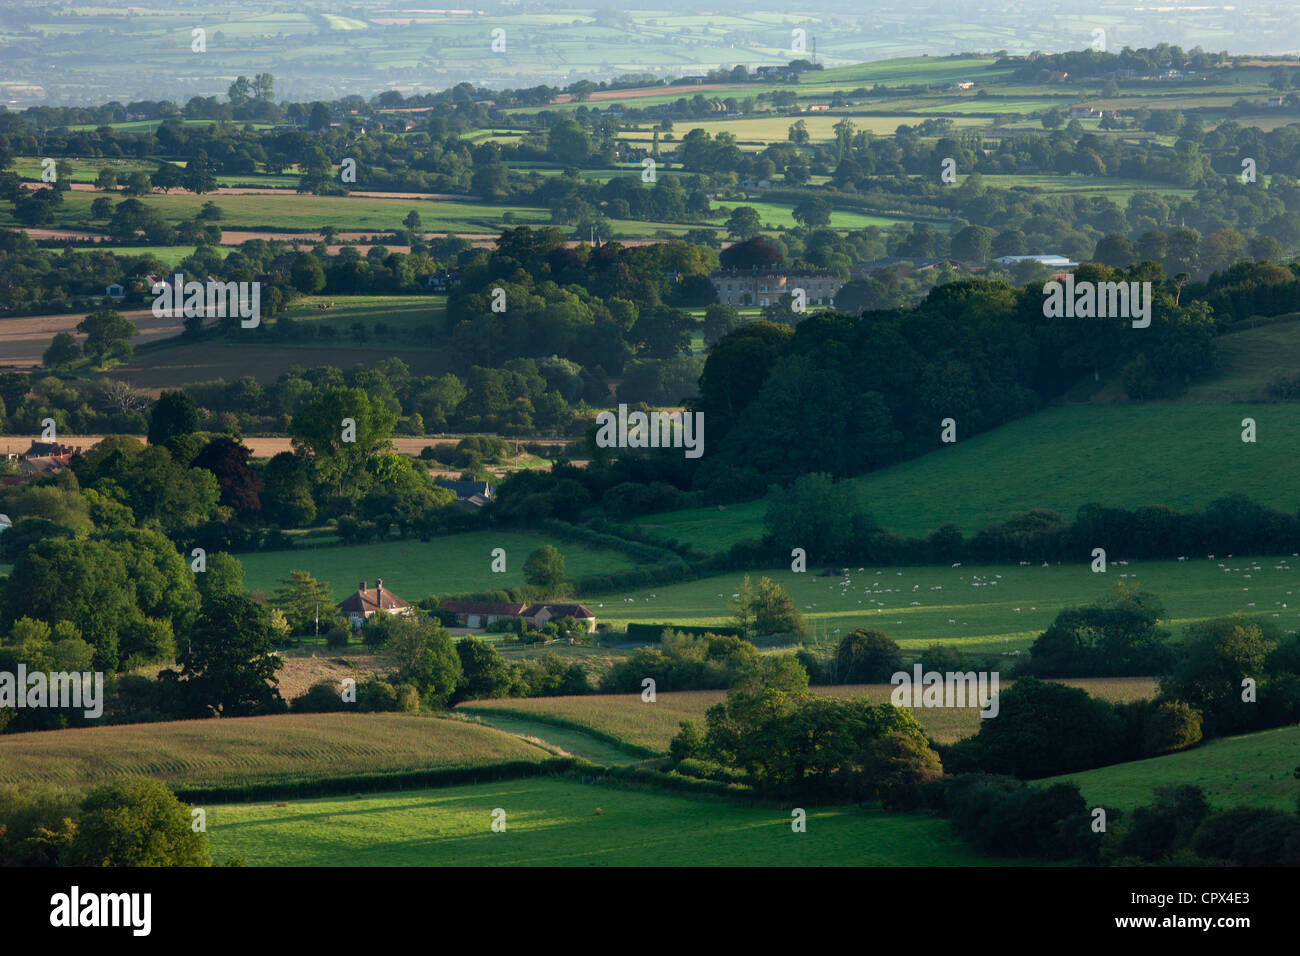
pixel 1179 454
pixel 560 822
pixel 994 609
pixel 1257 770
pixel 415 569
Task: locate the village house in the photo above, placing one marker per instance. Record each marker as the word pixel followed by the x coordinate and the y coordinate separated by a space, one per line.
pixel 366 602
pixel 538 614
pixel 469 494
pixel 46 458
pixel 479 614
pixel 763 287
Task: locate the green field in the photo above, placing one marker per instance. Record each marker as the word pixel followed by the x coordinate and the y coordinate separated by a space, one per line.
pixel 238 751
pixel 971 607
pixel 414 569
pixel 410 316
pixel 1247 360
pixel 560 822
pixel 291 211
pixel 1181 455
pixel 1253 769
pixel 650 727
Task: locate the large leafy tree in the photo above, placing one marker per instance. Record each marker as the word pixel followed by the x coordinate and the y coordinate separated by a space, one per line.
pixel 304 600
pixel 174 414
pixel 107 333
pixel 319 430
pixel 135 822
pixel 229 666
pixel 227 459
pixel 286 491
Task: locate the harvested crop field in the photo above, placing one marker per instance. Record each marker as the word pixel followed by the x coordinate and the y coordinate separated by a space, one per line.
pixel 24 338
pixel 248 750
pixel 650 727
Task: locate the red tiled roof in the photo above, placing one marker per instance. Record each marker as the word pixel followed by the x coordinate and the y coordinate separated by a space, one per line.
pixel 558 610
pixel 368 601
pixel 482 607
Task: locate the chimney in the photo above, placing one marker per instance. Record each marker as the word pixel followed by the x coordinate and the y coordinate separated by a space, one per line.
pixel 362 587
pixel 379 593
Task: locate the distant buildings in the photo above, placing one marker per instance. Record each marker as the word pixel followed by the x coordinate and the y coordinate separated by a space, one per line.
pixel 367 602
pixel 45 458
pixel 472 494
pixel 1051 262
pixel 478 614
pixel 763 287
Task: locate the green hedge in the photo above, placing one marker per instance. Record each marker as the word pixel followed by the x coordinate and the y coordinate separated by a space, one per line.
pixel 373 782
pixel 654 632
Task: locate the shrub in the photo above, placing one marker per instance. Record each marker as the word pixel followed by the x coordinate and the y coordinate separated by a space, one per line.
pixel 135 822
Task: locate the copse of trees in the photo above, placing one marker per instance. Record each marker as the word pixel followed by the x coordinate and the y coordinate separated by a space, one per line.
pixel 798 746
pixel 131 822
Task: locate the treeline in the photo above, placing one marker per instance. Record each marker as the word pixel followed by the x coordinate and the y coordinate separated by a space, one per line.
pixel 799 516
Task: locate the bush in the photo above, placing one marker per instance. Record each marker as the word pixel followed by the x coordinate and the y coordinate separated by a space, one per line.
pixel 135 822
pixel 338 635
pixel 323 697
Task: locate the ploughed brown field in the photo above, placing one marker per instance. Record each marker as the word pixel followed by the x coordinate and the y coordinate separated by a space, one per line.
pixel 24 338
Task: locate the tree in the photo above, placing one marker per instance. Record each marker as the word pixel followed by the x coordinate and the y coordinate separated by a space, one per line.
pixel 774 611
pixel 568 142
pixel 338 451
pixel 756 252
pixel 303 599
pixel 227 459
pixel 719 320
pixel 545 568
pixel 742 608
pixel 744 223
pixel 101 207
pixel 1044 729
pixel 798 133
pixel 175 413
pixel 63 351
pixel 412 221
pixel 137 184
pixel 286 491
pixel 306 274
pixel 107 332
pixel 813 212
pixel 424 656
pixel 867 657
pixel 135 822
pixel 198 177
pixel 229 666
pixel 973 244
pixel 106 181
pixel 1210 665
pixel 485 674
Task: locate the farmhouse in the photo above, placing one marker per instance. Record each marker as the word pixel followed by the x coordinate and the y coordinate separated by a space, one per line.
pixel 477 614
pixel 45 458
pixel 750 287
pixel 469 494
pixel 366 602
pixel 539 614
